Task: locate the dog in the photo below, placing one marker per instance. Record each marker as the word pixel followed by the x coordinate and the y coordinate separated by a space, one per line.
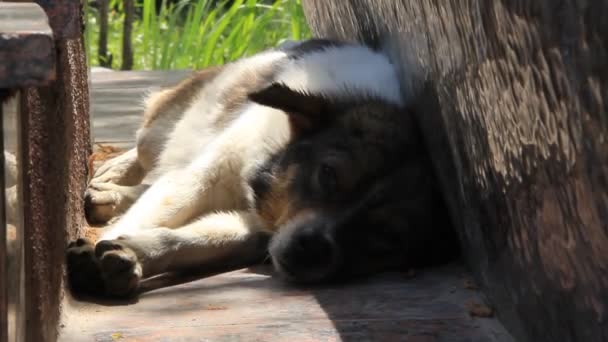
pixel 305 153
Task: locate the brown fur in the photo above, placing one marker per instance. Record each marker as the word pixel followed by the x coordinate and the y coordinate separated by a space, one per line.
pixel 274 206
pixel 178 98
pixel 238 95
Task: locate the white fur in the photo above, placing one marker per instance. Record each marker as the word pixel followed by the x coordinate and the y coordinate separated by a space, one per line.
pixel 343 71
pixel 197 207
pixel 213 179
pixel 197 128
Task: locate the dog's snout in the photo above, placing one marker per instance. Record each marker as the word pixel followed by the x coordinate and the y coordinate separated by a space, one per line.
pixel 305 253
pixel 312 247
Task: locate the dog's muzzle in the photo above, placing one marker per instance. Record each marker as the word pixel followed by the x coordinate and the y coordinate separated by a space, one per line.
pixel 303 250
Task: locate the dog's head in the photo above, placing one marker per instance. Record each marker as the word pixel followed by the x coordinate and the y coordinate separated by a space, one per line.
pixel 352 192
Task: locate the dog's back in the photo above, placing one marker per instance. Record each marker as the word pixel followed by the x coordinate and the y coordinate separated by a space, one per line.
pixel 214 103
pixel 212 107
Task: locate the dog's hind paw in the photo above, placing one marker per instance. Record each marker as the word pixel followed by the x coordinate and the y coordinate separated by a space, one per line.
pixel 123 170
pixel 110 268
pixel 102 202
pixel 105 201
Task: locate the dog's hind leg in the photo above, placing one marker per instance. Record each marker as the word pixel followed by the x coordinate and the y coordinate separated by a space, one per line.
pixel 114 187
pixel 131 167
pixel 118 182
pixel 212 181
pixel 225 239
pixel 122 170
pixel 163 110
pixel 104 201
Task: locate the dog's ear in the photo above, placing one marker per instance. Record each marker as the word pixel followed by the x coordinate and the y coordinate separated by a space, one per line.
pixel 305 111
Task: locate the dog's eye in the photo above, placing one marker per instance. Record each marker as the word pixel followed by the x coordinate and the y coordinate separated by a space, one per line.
pixel 327 178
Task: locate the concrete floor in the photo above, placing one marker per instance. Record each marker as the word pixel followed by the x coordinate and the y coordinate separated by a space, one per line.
pixel 251 304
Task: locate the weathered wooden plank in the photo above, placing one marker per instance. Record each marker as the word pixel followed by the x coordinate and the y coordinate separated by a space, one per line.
pixel 27 54
pixel 511 96
pixel 117 101
pixel 137 79
pixel 254 306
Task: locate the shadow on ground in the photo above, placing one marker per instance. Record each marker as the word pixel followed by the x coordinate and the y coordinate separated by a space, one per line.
pixel 252 305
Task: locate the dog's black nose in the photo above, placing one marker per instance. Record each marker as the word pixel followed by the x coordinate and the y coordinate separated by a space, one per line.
pixel 311 248
pixel 306 254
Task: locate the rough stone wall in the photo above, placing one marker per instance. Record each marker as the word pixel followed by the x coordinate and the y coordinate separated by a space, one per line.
pixel 512 98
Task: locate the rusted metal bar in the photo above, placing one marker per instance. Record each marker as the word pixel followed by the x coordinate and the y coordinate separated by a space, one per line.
pixel 26 46
pixel 65 17
pixel 50 72
pixel 55 140
pixel 27 58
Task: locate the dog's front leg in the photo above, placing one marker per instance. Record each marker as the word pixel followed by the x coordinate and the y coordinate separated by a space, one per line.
pixel 220 239
pixel 210 183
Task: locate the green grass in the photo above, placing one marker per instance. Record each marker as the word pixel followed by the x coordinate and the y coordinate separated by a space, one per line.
pixel 197 34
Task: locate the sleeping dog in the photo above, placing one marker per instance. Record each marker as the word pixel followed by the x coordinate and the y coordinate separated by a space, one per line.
pixel 306 154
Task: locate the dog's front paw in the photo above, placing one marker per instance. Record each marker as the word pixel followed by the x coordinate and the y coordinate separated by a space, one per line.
pixel 109 268
pixel 120 269
pixel 84 274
